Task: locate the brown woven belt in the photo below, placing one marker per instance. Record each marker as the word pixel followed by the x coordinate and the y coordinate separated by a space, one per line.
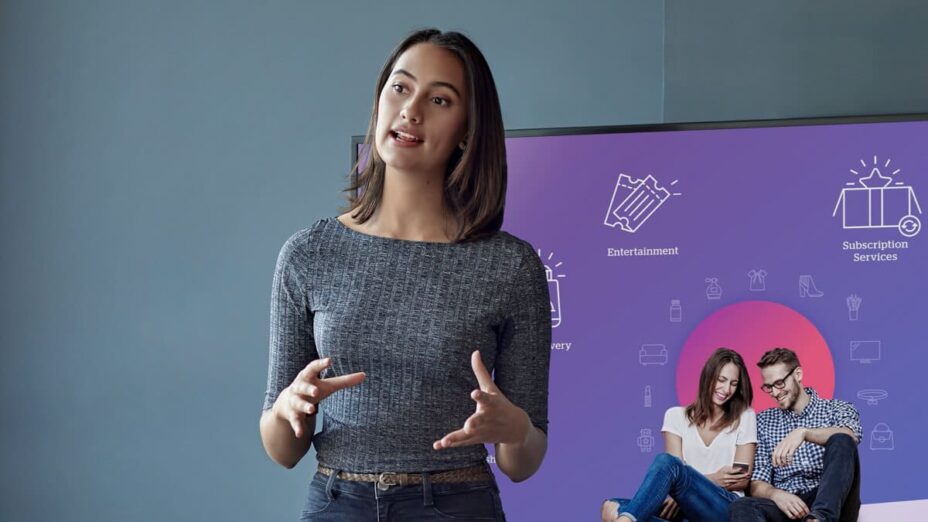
pixel 389 478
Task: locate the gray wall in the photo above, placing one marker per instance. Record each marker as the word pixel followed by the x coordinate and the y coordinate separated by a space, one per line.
pixel 155 156
pixel 733 60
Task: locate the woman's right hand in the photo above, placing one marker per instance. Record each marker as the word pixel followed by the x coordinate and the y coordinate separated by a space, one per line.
pixel 308 389
pixel 730 478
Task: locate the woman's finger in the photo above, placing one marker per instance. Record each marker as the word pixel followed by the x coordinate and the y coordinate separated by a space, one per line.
pixel 301 405
pixel 312 370
pixel 483 398
pixel 296 423
pixel 303 388
pixel 458 438
pixel 333 384
pixel 484 380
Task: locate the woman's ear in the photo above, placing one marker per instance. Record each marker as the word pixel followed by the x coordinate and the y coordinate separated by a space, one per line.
pixel 462 145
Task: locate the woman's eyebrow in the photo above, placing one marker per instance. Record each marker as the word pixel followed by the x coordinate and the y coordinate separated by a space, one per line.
pixel 404 72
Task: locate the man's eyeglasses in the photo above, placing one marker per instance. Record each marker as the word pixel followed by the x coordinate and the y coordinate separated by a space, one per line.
pixel 780 384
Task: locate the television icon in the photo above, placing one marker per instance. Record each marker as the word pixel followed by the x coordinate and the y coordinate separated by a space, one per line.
pixel 866 351
pixel 652 354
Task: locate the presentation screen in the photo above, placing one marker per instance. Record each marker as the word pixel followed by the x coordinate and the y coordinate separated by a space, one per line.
pixel 663 243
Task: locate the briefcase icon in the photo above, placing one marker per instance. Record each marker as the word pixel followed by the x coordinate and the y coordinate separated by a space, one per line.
pixel 881 437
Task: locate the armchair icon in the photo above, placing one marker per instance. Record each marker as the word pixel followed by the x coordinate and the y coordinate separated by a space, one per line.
pixel 652 354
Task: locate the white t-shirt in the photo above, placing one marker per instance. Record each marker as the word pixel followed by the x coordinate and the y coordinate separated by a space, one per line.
pixel 721 453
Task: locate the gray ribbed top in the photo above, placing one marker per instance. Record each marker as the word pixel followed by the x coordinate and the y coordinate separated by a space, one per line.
pixel 409 314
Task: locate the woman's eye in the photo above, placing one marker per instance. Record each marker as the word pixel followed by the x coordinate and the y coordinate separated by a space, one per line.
pixel 438 100
pixel 399 88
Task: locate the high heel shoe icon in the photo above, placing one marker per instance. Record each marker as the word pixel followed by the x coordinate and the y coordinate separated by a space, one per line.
pixel 807 287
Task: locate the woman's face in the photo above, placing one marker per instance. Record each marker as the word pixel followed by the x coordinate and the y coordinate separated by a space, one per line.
pixel 422 110
pixel 726 384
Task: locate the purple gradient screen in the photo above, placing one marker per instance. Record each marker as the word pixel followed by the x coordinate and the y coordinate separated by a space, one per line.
pixel 665 245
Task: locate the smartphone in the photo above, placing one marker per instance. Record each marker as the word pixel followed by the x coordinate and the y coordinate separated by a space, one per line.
pixel 740 467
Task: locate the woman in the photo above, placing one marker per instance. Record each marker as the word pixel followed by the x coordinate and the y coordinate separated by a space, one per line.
pixel 388 321
pixel 698 477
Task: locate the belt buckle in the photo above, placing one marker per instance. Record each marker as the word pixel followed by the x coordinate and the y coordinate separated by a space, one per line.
pixel 385 480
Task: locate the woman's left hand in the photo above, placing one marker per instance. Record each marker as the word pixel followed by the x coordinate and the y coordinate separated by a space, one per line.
pixel 669 509
pixel 496 420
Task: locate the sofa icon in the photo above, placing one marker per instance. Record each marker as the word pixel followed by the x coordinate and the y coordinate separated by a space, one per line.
pixel 652 354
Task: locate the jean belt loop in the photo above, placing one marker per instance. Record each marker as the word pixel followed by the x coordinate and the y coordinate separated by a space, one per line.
pixel 330 484
pixel 427 490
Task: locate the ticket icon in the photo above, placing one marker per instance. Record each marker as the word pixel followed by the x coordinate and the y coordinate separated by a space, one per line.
pixel 635 200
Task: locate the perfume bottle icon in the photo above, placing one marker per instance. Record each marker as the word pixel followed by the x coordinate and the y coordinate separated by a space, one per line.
pixel 676 311
pixel 647 396
pixel 713 290
pixel 554 291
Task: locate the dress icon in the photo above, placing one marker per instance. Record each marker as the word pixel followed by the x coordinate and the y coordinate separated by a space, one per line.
pixel 758 280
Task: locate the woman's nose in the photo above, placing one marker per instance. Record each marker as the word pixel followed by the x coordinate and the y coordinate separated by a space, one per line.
pixel 411 111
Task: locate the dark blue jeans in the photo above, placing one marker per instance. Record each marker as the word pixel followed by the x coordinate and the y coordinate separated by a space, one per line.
pixel 337 500
pixel 699 498
pixel 837 497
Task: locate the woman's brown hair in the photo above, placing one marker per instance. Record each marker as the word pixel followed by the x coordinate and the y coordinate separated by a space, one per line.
pixel 475 178
pixel 700 411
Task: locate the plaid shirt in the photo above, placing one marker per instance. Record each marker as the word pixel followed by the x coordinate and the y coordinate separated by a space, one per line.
pixel 805 471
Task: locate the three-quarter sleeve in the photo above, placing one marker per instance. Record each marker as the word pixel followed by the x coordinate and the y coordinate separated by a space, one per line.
pixel 523 358
pixel 291 343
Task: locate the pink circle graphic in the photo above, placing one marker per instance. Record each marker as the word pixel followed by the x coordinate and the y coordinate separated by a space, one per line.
pixel 751 328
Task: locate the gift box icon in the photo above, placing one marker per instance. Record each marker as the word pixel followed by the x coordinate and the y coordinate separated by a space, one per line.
pixel 878 202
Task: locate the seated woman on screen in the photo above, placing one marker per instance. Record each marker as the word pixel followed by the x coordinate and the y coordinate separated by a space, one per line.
pixel 710 451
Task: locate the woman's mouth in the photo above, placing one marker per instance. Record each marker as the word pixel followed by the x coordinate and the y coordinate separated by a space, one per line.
pixel 720 397
pixel 404 137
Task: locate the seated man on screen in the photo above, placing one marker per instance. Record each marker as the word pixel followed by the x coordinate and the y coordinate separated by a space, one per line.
pixel 806 466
